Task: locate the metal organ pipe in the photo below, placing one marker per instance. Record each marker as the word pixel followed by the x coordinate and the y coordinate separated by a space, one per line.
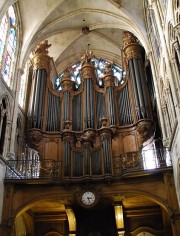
pixel 135 93
pixel 139 88
pixel 91 103
pixel 134 54
pixel 86 161
pixel 67 159
pixel 36 92
pixel 41 66
pixel 109 85
pixel 88 74
pixel 143 87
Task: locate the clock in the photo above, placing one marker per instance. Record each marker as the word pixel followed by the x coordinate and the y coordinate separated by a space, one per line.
pixel 88 198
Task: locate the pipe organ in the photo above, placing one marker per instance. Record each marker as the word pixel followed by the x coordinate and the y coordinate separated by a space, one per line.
pixel 90 128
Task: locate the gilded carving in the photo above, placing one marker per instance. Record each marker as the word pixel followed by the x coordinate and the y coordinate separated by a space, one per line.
pixel 87 72
pixel 128 38
pixel 66 82
pixel 67 124
pixel 34 138
pixel 41 59
pixel 108 81
pixel 68 136
pixel 104 121
pixel 87 57
pixel 145 130
pixel 105 133
pixel 132 48
pixel 42 48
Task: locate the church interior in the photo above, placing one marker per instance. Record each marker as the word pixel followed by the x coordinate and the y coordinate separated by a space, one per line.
pixel 89 118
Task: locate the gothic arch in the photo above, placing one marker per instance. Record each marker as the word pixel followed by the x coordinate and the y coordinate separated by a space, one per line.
pixel 4 116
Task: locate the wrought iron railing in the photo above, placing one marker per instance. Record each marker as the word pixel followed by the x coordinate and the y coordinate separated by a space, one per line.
pixel 125 164
pixel 149 160
pixel 33 169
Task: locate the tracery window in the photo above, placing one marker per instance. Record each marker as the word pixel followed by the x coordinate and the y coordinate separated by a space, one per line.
pixel 100 65
pixel 8 44
pixel 23 83
pixel 154 33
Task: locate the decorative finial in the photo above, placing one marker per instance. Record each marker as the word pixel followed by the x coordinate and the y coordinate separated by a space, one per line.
pixel 42 48
pixel 86 58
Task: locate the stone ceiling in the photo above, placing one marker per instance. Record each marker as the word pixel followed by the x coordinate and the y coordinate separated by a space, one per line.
pixel 61 22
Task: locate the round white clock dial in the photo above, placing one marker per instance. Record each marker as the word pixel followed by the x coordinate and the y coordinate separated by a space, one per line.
pixel 88 198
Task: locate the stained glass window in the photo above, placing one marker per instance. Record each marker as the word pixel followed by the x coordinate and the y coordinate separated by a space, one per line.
pixel 100 65
pixel 23 83
pixel 154 33
pixel 8 44
pixel 3 34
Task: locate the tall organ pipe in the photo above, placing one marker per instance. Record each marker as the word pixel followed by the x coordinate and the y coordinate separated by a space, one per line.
pixel 134 54
pixel 41 67
pixel 109 85
pixel 144 90
pixel 87 75
pixel 135 93
pixel 67 159
pixel 67 85
pixel 86 161
pixel 139 88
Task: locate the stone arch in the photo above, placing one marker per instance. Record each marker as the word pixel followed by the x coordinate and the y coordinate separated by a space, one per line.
pixel 4 117
pixel 22 212
pixel 53 233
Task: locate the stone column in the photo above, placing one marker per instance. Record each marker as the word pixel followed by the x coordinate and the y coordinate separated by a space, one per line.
pixel 165 53
pixel 174 211
pixel 177 49
pixel 15 114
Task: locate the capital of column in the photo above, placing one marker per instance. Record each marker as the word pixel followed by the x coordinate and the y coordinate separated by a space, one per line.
pixel 20 72
pixel 172 58
pixel 176 46
pixel 41 59
pixel 132 48
pixel 177 29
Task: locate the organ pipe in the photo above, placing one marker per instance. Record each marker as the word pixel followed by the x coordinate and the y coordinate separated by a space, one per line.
pixel 67 85
pixel 88 76
pixel 134 55
pixel 41 66
pixel 67 159
pixel 109 86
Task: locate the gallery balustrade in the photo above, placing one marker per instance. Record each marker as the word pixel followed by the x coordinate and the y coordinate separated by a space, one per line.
pixel 123 165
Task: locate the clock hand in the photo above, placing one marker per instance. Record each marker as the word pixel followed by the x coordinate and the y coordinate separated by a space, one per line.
pixel 89 198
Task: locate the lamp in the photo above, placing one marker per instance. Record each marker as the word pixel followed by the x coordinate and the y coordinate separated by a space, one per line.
pixel 119 219
pixel 72 221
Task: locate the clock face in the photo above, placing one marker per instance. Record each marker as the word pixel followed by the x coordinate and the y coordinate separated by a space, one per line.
pixel 88 198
